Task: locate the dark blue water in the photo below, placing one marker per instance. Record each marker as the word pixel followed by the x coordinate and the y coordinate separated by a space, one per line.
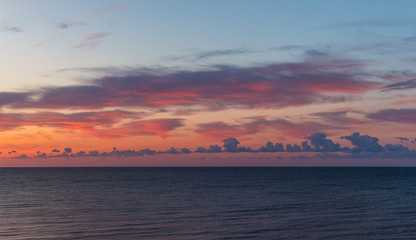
pixel 208 203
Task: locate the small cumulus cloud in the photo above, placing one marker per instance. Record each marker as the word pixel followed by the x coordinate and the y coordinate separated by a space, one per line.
pixel 21 156
pixel 320 143
pixel 230 145
pixel 363 143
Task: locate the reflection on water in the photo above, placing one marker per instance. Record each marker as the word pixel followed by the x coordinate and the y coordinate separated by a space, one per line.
pixel 207 203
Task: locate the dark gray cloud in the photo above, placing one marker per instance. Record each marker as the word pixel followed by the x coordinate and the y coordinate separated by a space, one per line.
pixel 21 156
pixel 403 139
pixel 395 115
pixel 364 143
pixel 270 147
pixel 294 148
pixel 320 143
pixel 409 84
pixel 230 145
pixel 7 98
pixel 185 150
pixel 395 148
pixel 211 149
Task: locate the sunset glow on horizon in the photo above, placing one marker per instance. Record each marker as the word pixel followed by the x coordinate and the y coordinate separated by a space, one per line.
pixel 190 83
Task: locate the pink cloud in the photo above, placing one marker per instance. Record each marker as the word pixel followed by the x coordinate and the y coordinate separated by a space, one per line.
pixel 90 40
pixel 272 86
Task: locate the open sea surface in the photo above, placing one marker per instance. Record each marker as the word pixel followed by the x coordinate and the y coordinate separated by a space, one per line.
pixel 208 203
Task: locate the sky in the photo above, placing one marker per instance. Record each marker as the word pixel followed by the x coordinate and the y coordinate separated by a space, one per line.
pixel 204 83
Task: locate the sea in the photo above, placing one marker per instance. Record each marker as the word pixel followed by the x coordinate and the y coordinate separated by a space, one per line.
pixel 208 203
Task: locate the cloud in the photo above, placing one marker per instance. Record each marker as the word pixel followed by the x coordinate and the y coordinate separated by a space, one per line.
pixel 294 148
pixel 90 41
pixel 224 52
pixel 89 122
pixel 21 156
pixel 160 127
pixel 230 145
pixel 220 130
pixel 339 118
pixel 67 25
pixel 404 100
pixel 395 115
pixel 321 144
pixel 395 148
pixel 100 124
pixel 365 147
pixel 363 143
pixel 409 84
pixel 270 147
pixel 316 53
pixel 403 139
pixel 211 149
pixel 270 86
pixel 7 98
pixel 13 29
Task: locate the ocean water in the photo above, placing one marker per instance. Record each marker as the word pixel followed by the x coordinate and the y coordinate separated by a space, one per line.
pixel 207 203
